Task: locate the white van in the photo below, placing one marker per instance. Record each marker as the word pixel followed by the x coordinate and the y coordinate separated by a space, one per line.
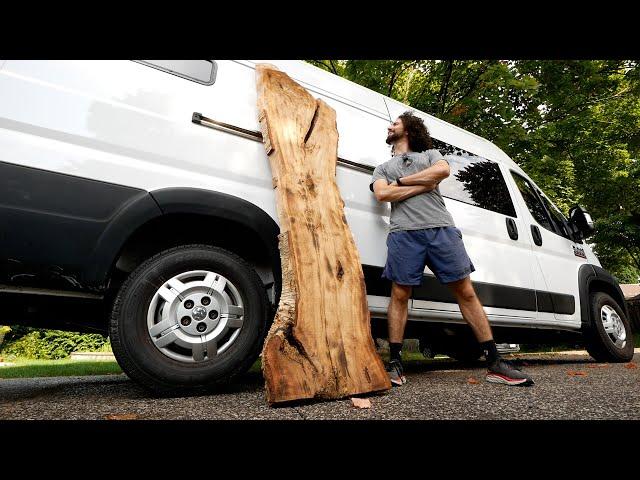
pixel 136 199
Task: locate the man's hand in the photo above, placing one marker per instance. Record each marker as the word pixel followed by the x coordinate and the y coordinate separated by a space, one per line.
pixel 429 177
pixel 392 192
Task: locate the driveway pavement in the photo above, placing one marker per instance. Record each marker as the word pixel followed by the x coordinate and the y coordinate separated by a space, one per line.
pixel 569 386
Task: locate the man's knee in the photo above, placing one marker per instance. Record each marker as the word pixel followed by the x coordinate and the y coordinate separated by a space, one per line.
pixel 464 291
pixel 400 293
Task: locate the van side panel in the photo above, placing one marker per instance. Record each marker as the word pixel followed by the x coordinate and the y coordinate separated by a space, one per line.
pixel 123 123
pixel 52 223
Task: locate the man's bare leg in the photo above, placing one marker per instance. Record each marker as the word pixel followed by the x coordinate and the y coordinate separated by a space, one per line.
pixel 397 312
pixel 471 309
pixel 396 321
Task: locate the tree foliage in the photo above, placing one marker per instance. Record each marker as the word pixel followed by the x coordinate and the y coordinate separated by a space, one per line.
pixel 40 344
pixel 573 126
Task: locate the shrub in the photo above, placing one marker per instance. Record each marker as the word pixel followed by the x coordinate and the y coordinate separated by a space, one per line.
pixel 51 344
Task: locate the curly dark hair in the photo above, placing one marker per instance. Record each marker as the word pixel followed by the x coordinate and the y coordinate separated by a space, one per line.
pixel 419 138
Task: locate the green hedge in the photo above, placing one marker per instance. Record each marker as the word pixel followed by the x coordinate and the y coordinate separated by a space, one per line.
pixel 40 344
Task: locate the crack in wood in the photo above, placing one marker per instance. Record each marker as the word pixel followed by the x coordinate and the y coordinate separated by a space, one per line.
pixel 340 270
pixel 313 123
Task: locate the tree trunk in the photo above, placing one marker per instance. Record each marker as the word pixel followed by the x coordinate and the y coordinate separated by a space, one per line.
pixel 320 343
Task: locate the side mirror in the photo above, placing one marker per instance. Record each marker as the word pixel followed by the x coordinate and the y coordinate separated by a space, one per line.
pixel 581 221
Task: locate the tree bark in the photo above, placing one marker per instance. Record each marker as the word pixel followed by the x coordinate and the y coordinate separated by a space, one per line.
pixel 320 343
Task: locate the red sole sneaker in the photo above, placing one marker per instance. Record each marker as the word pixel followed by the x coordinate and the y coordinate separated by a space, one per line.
pixel 497 378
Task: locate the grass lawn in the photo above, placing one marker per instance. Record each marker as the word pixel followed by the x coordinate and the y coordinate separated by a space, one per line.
pixel 23 368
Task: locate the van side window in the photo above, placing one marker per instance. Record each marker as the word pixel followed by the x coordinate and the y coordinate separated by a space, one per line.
pixel 558 220
pixel 474 180
pixel 201 71
pixel 533 202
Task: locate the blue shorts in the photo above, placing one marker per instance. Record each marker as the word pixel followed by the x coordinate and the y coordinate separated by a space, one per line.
pixel 440 248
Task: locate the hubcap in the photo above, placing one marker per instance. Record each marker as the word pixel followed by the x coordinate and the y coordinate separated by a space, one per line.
pixel 199 313
pixel 195 316
pixel 613 326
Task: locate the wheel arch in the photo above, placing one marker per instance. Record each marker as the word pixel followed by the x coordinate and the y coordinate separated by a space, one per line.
pixel 593 278
pixel 207 212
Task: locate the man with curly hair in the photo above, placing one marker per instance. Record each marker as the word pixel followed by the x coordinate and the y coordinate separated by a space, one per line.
pixel 422 232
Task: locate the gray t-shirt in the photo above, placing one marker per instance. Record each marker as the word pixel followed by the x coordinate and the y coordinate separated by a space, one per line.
pixel 426 210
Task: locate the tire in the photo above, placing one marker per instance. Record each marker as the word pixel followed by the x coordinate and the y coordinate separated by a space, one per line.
pixel 601 344
pixel 175 356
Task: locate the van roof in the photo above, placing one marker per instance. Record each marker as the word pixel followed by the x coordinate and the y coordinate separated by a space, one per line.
pixel 351 92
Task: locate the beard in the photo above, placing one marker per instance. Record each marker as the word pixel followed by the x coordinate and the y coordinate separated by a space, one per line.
pixel 392 138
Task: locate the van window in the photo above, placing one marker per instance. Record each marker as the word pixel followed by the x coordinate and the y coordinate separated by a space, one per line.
pixel 201 71
pixel 533 202
pixel 474 180
pixel 558 220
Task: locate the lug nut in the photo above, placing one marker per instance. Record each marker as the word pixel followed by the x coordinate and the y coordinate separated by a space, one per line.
pixel 185 321
pixel 213 314
pixel 201 327
pixel 188 304
pixel 205 301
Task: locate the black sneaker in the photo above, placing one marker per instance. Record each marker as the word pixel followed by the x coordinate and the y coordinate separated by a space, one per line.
pixel 505 373
pixel 396 374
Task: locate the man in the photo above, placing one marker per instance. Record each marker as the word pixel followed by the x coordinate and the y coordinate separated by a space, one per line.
pixel 422 232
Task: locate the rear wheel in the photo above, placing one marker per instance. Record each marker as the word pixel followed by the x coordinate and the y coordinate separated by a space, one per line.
pixel 608 337
pixel 189 317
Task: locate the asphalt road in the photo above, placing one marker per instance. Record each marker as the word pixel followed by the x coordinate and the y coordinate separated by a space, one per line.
pixel 568 387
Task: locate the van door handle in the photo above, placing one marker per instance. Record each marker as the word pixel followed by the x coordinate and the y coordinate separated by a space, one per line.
pixel 537 238
pixel 512 229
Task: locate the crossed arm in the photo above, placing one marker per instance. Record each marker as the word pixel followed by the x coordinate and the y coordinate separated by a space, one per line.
pixel 421 182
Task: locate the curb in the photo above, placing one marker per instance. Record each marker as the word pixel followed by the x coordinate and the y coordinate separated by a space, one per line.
pixel 93 356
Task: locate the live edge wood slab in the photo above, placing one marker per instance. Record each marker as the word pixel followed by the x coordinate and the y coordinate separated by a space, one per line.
pixel 320 344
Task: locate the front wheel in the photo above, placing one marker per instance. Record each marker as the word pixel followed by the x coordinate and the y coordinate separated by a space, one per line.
pixel 608 337
pixel 189 317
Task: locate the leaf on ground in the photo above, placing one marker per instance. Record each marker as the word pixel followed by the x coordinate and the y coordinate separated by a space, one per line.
pixel 631 365
pixel 472 380
pixel 576 373
pixel 361 402
pixel 124 416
